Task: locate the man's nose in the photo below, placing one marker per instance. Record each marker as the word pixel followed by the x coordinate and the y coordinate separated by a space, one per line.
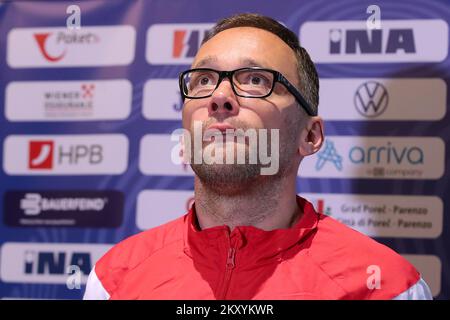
pixel 223 100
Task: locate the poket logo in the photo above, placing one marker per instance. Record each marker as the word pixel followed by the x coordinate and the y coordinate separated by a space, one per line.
pixel 41 39
pixel 371 99
pixel 40 155
pixel 58 47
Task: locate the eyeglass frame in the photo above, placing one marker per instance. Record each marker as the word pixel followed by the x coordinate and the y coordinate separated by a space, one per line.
pixel 277 77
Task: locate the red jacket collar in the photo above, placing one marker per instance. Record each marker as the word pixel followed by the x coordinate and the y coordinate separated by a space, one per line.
pixel 256 242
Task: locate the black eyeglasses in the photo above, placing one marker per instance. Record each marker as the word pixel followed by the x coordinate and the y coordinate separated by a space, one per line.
pixel 252 82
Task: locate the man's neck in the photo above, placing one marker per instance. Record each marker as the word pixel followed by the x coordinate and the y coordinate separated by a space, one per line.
pixel 267 206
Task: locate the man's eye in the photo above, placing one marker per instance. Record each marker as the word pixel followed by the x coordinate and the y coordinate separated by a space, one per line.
pixel 204 81
pixel 255 80
pixel 258 80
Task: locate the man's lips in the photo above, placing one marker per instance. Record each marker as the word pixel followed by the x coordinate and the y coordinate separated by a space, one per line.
pixel 221 127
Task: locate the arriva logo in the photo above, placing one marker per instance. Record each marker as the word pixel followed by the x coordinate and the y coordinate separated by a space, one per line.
pixel 329 154
pixel 377 157
pixel 388 154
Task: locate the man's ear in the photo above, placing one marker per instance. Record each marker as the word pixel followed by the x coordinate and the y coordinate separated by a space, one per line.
pixel 311 136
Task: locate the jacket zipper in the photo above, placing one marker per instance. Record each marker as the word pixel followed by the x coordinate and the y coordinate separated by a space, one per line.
pixel 228 270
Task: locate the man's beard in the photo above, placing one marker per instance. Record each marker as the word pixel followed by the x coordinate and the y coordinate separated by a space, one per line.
pixel 238 178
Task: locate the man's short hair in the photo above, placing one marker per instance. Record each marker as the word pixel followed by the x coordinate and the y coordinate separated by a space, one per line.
pixel 308 78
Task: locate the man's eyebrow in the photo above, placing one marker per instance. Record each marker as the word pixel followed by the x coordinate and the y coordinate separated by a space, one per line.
pixel 249 62
pixel 205 61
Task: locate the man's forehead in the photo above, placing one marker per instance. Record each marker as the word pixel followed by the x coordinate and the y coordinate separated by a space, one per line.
pixel 240 47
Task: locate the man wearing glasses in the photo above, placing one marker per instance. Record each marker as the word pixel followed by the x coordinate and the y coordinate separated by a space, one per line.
pixel 248 235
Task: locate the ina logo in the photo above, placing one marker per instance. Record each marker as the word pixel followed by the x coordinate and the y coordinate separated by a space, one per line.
pixel 41 39
pixel 329 154
pixel 371 99
pixel 186 43
pixel 40 155
pixel 371 41
pixel 55 263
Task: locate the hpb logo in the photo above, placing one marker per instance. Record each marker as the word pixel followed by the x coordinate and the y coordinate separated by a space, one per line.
pixel 40 155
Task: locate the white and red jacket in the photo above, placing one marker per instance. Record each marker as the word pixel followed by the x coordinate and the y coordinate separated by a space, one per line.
pixel 318 258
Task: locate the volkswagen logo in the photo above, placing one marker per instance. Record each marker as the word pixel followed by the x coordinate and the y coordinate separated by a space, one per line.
pixel 371 99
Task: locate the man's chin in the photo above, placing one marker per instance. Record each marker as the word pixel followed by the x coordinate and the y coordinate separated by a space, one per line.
pixel 228 178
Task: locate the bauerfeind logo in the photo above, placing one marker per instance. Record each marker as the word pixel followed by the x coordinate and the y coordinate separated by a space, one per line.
pixel 33 204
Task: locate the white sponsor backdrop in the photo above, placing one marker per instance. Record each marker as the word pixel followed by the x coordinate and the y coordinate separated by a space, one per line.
pixel 389 43
pixel 68 100
pixel 68 154
pixel 90 46
pixel 47 262
pixel 93 109
pixel 377 158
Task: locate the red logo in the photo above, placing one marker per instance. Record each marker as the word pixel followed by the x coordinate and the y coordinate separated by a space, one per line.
pixel 320 206
pixel 41 39
pixel 178 45
pixel 88 90
pixel 186 43
pixel 40 155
